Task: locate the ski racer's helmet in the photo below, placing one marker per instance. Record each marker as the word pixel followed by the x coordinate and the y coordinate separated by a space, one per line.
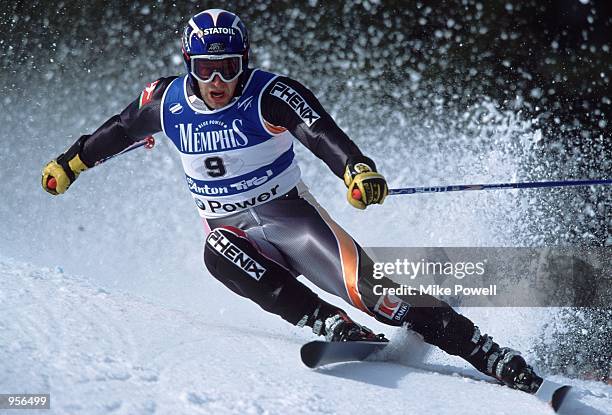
pixel 215 41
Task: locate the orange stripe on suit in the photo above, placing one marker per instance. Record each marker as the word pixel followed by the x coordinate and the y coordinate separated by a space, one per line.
pixel 273 128
pixel 350 261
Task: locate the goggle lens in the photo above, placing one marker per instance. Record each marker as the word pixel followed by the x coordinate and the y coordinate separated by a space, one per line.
pixel 205 68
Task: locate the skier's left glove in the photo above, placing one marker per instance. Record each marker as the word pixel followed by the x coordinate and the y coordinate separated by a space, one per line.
pixel 65 169
pixel 365 186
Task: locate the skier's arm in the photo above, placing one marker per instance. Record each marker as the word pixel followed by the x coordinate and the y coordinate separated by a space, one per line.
pixel 289 105
pixel 138 120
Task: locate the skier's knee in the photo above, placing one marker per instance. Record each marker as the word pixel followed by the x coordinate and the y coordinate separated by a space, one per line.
pixel 236 261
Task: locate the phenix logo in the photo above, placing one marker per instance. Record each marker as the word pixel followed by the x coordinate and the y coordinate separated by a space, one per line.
pixel 225 247
pixel 295 101
pixel 210 141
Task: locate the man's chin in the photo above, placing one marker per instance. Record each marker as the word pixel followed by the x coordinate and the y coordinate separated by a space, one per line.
pixel 215 104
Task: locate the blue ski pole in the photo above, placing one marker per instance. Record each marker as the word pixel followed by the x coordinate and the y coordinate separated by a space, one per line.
pixel 497 186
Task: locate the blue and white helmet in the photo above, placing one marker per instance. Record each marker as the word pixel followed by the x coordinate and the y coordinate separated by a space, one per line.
pixel 215 32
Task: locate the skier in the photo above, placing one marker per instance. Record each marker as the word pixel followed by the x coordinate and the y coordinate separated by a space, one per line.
pixel 234 126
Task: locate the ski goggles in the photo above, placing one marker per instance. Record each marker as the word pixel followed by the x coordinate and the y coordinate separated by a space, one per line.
pixel 204 67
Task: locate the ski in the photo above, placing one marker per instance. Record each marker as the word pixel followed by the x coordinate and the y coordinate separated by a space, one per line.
pixel 555 395
pixel 320 353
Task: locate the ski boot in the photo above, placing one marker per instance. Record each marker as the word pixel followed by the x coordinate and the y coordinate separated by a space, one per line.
pixel 504 364
pixel 340 328
pixel 515 372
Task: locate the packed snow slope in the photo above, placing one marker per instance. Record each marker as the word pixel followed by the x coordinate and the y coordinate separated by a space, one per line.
pixel 109 352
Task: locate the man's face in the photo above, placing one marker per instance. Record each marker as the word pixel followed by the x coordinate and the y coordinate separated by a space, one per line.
pixel 217 94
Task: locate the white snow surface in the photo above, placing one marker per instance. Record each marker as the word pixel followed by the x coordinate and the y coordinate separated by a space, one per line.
pixel 101 351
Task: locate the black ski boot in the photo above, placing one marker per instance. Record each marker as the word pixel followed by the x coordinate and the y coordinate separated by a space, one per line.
pixel 340 328
pixel 333 323
pixel 504 364
pixel 515 372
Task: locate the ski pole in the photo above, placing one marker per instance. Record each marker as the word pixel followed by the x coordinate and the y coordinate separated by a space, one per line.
pixel 147 142
pixel 497 186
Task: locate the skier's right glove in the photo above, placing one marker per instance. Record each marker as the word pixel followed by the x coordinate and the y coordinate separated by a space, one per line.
pixel 65 170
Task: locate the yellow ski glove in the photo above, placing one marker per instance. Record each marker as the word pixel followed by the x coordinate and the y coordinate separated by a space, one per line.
pixel 59 174
pixel 365 186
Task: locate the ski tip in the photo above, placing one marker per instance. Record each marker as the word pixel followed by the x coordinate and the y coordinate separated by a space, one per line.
pixel 559 396
pixel 319 353
pixel 308 355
